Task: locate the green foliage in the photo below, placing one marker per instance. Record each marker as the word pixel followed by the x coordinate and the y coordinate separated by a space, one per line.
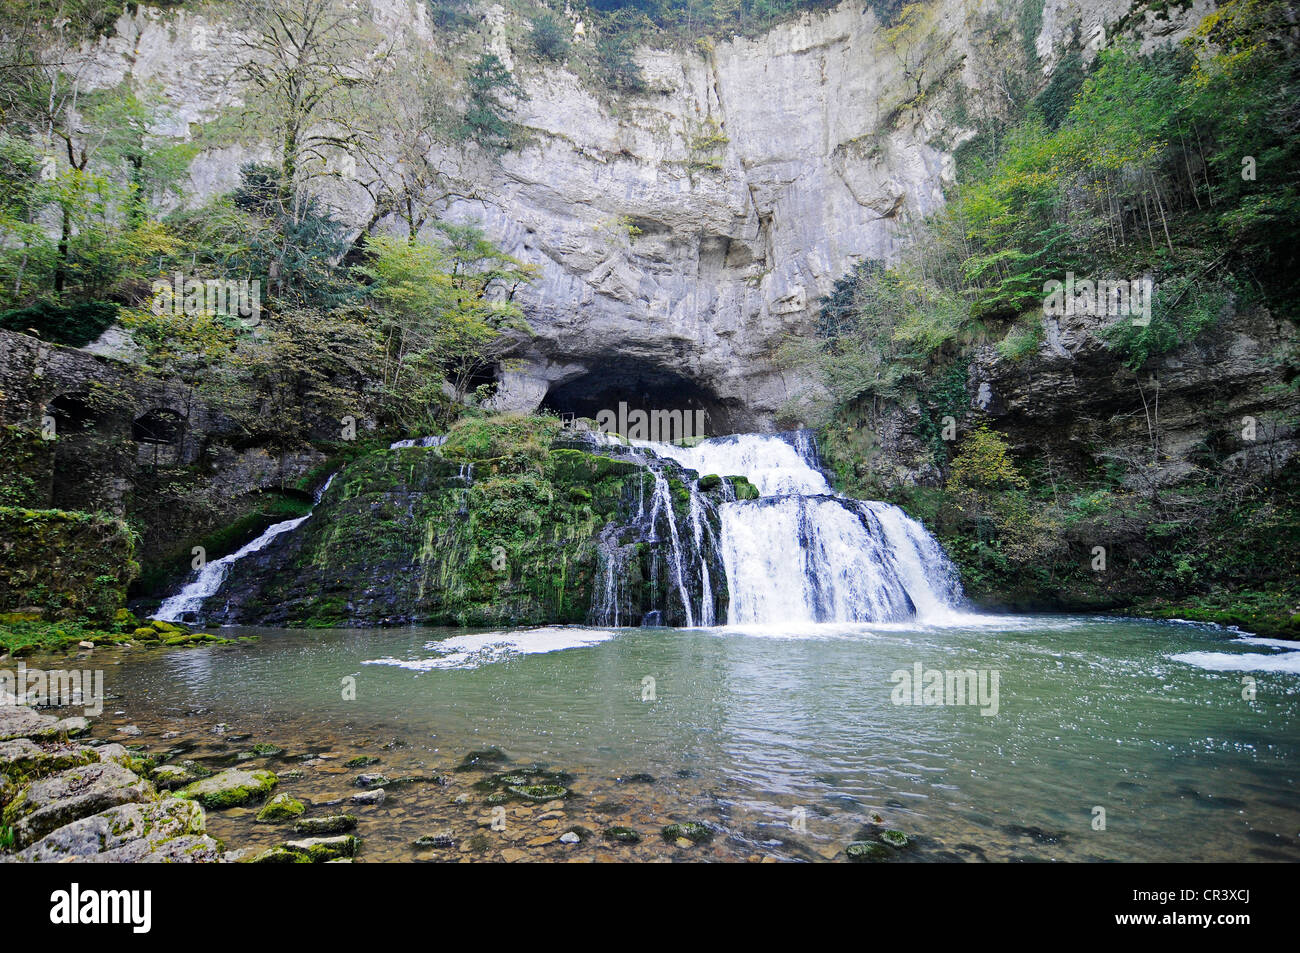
pixel 1021 342
pixel 984 464
pixel 491 88
pixel 70 564
pixel 74 325
pixel 549 36
pixel 1184 308
pixel 441 308
pixel 515 442
pixel 615 49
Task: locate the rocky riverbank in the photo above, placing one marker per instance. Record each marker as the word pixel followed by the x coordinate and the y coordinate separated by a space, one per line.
pixel 68 801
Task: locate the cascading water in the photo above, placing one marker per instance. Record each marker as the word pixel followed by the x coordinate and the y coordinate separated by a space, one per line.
pixel 189 601
pixel 802 553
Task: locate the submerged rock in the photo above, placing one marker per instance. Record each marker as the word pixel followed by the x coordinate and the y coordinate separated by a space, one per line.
pixel 538 792
pixel 895 839
pixel 440 841
pixel 867 851
pixel 692 831
pixel 482 760
pixel 622 835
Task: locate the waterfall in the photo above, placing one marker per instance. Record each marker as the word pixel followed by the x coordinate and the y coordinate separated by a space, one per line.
pixel 191 597
pixel 434 441
pixel 803 553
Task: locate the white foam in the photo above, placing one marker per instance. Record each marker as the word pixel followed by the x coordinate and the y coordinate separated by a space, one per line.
pixel 1286 662
pixel 484 648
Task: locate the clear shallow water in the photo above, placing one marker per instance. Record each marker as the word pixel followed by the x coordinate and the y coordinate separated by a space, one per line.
pixel 752 726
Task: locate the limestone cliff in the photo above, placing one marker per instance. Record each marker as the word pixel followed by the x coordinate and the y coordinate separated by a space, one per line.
pixel 682 232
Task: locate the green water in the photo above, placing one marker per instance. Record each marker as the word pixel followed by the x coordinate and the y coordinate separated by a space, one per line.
pixel 786 741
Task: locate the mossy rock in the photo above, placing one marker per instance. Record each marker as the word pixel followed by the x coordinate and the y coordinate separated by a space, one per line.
pixel 325 826
pixel 361 761
pixel 539 792
pixel 744 489
pixel 280 855
pixel 230 788
pixel 371 781
pixel 692 831
pixel 622 835
pixel 895 839
pixel 439 841
pixel 867 851
pixel 282 807
pixel 265 749
pixel 318 850
pixel 167 628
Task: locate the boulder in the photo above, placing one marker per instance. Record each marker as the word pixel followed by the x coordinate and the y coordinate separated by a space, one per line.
pixel 60 799
pixel 230 788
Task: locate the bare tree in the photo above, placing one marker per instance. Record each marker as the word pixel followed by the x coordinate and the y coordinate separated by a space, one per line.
pixel 308 62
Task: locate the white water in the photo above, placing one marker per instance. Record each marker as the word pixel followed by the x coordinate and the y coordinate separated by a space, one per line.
pixel 210 578
pixel 433 441
pixel 801 553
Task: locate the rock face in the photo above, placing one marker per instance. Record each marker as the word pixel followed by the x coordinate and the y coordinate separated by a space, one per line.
pixel 680 233
pixel 1193 405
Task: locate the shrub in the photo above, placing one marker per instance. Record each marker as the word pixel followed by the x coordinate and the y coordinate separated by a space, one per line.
pixel 75 325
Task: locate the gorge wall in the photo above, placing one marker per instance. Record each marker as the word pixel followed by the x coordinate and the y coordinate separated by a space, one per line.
pixel 683 232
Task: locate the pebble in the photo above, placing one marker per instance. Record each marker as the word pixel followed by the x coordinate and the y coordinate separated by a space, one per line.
pixel 375 796
pixel 569 838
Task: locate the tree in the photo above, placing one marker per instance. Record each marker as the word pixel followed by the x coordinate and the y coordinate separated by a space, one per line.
pixel 442 309
pixel 487 115
pixel 308 62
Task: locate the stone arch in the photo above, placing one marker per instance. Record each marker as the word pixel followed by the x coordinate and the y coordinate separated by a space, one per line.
pixel 159 435
pixel 73 412
pixel 161 426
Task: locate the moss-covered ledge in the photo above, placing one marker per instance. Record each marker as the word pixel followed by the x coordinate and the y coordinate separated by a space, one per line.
pixel 64 564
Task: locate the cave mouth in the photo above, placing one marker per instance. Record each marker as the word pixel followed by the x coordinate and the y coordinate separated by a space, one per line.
pixel 620 388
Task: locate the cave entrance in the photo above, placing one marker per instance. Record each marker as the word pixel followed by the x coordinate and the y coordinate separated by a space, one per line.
pixel 669 404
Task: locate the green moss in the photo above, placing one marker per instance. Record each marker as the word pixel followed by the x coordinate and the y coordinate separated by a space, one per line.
pixel 691 830
pixel 67 563
pixel 230 788
pixel 282 807
pixel 864 852
pixel 539 792
pixel 622 835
